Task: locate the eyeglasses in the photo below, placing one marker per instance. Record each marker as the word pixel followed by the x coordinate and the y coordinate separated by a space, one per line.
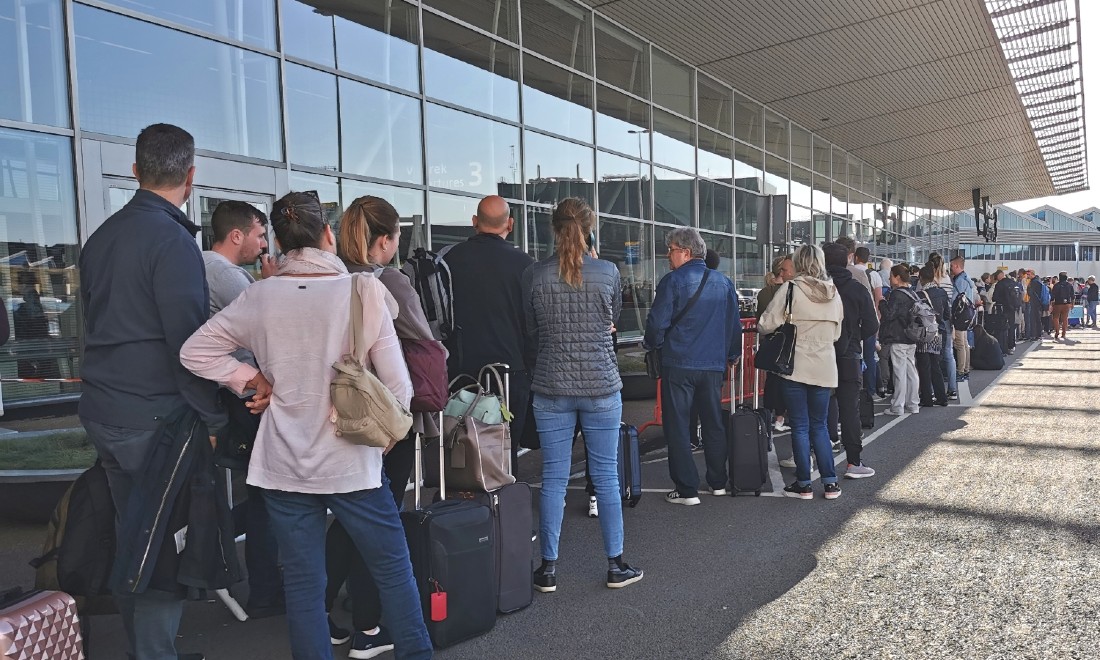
pixel 672 249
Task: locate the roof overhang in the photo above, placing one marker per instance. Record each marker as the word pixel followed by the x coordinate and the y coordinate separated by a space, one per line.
pixel 946 96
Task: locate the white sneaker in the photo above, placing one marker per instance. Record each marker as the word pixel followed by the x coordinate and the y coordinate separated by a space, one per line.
pixel 789 463
pixel 674 497
pixel 718 492
pixel 593 510
pixel 781 428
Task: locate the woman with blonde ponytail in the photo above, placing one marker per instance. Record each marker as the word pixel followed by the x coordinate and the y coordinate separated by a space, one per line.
pixel 571 302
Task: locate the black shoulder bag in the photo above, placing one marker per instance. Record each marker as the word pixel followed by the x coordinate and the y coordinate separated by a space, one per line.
pixel 653 356
pixel 776 351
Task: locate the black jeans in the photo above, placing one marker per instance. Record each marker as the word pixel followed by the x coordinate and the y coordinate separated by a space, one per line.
pixel 931 378
pixel 681 388
pixel 342 558
pixel 849 384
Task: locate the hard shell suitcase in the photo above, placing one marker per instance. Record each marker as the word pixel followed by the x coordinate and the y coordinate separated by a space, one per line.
pixel 630 465
pixel 866 409
pixel 749 438
pixel 513 542
pixel 39 625
pixel 451 548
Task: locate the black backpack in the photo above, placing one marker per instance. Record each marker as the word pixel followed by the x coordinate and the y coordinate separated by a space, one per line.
pixel 1062 293
pixel 963 312
pixel 431 277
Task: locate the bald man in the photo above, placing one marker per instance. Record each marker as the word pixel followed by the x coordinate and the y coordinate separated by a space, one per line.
pixel 488 312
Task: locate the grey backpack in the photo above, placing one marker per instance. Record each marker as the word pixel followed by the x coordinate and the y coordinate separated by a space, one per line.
pixel 922 325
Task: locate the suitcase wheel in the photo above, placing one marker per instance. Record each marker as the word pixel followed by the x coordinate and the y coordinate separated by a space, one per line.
pixel 758 493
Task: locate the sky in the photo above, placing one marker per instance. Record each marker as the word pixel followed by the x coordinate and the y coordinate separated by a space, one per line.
pixel 1090 66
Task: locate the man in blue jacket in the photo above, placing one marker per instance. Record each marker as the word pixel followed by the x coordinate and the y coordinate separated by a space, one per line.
pixel 143 289
pixel 696 324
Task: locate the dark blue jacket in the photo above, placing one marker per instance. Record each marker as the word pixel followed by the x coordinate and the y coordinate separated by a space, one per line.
pixel 709 335
pixel 143 289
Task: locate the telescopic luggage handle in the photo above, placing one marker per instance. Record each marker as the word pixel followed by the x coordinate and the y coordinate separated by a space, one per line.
pixel 418 468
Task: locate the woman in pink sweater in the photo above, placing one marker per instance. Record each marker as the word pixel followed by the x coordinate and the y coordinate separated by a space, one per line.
pixel 297 326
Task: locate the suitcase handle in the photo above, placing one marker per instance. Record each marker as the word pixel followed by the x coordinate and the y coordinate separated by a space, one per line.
pixel 418 467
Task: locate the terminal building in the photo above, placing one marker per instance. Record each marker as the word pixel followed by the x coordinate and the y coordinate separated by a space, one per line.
pixel 764 124
pixel 1046 239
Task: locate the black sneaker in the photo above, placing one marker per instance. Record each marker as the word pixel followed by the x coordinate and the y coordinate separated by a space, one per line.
pixel 832 491
pixel 623 574
pixel 801 492
pixel 366 646
pixel 336 634
pixel 546 582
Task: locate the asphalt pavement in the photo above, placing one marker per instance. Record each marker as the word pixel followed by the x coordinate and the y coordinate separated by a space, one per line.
pixel 977 538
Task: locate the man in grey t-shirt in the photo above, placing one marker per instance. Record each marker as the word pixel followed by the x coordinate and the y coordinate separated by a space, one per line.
pixel 240 237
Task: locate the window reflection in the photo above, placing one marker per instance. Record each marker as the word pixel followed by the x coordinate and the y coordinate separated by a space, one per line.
pixel 498 17
pixel 801 227
pixel 750 265
pixel 624 185
pixel 308 32
pixel 628 245
pixel 777 174
pixel 673 197
pixel 540 234
pixel 802 150
pixel 451 218
pixel 248 21
pixel 464 68
pixel 556 100
pixel 311 116
pixel 622 123
pixel 776 133
pixel 801 182
pixel 471 153
pixel 556 169
pixel 723 245
pixel 748 169
pixel 672 84
pixel 38 257
pixel 226 97
pixel 715 104
pixel 840 165
pixel 560 30
pixel 409 204
pixel 715 206
pixel 822 198
pixel 378 39
pixel 32 38
pixel 387 147
pixel 751 211
pixel 748 118
pixel 673 141
pixel 823 160
pixel 622 59
pixel 715 156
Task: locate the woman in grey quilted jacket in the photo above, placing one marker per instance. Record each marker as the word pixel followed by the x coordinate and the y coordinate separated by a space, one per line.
pixel 571 302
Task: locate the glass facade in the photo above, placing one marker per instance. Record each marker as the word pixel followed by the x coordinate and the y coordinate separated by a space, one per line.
pixel 429 104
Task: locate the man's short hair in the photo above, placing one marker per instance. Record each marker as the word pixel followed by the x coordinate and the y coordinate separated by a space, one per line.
pixel 1063 276
pixel 163 156
pixel 687 237
pixel 959 259
pixel 847 243
pixel 836 255
pixel 862 254
pixel 232 214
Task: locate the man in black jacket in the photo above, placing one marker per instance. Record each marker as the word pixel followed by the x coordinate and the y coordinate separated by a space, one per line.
pixel 860 322
pixel 143 289
pixel 486 271
pixel 1004 296
pixel 1034 306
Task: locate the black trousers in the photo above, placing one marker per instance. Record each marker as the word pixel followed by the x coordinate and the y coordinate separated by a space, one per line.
pixel 930 376
pixel 849 384
pixel 342 559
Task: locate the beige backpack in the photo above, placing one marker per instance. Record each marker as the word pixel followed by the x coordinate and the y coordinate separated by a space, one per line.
pixel 365 411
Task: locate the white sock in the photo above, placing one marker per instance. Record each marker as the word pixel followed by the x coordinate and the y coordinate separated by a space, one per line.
pixel 373 631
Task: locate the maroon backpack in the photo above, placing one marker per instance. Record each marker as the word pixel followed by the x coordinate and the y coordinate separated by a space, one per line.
pixel 427 362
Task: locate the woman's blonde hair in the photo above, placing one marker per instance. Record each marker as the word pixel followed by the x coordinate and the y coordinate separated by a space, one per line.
pixel 809 260
pixel 573 221
pixel 366 220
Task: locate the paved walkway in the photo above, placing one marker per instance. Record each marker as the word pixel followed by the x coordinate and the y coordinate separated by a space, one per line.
pixel 977 539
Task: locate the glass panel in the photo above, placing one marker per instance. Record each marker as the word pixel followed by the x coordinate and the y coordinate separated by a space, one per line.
pixel 250 21
pixel 327 187
pixel 451 215
pixel 378 40
pixel 408 202
pixel 715 206
pixel 715 104
pixel 840 165
pixel 560 30
pixel 224 96
pixel 672 84
pixel 117 198
pixel 751 209
pixel 540 235
pixel 32 43
pixel 499 17
pixel 556 100
pixel 464 68
pixel 801 227
pixel 750 265
pixel 39 247
pixel 777 175
pixel 673 141
pixel 723 245
pixel 556 169
pixel 673 197
pixel 624 185
pixel 822 157
pixel 307 33
pixel 748 121
pixel 777 134
pixel 388 147
pixel 311 115
pixel 855 173
pixel 821 194
pixel 801 180
pixel 715 156
pixel 622 59
pixel 802 151
pixel 748 169
pixel 622 123
pixel 628 245
pixel 471 153
pixel 661 265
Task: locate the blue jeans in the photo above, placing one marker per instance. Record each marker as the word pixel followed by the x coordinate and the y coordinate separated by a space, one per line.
pixel 808 415
pixel 1090 310
pixel 150 619
pixel 370 517
pixel 680 389
pixel 870 361
pixel 599 418
pixel 948 362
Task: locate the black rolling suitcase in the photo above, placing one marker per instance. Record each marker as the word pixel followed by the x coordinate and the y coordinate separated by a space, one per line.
pixel 450 544
pixel 749 438
pixel 630 465
pixel 866 409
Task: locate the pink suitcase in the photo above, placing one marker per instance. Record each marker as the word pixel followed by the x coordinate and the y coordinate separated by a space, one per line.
pixel 39 625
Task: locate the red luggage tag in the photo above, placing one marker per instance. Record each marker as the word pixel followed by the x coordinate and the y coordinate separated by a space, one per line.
pixel 439 604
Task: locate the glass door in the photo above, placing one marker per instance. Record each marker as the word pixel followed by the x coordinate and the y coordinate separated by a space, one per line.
pixel 205 201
